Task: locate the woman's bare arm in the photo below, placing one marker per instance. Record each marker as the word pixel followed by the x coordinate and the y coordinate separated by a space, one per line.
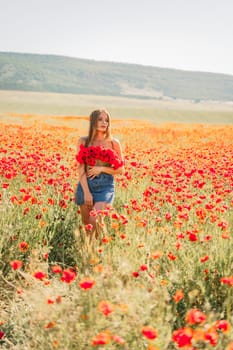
pixel 88 199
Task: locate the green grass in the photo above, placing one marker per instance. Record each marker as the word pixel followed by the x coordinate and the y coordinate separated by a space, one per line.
pixel 160 204
pixel 55 104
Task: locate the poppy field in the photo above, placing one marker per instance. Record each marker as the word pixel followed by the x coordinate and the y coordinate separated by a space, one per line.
pixel 161 274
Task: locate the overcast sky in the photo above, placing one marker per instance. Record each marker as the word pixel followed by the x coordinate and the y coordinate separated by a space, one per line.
pixel 184 34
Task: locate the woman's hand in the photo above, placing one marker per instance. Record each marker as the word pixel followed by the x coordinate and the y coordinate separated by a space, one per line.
pixel 93 171
pixel 88 199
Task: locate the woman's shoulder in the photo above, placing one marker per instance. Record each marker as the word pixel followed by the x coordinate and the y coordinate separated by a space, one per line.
pixel 115 141
pixel 116 146
pixel 82 140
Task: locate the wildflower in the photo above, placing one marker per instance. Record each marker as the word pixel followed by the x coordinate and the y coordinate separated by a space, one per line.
pixel 16 264
pixel 193 237
pixel 223 224
pixel 89 227
pixel 92 154
pixel 229 346
pixel 1 335
pixel 5 185
pixel 62 204
pixel 171 256
pixel 225 235
pixel 168 216
pixel 195 316
pixel 178 245
pixel 45 256
pixel 58 299
pixel 198 334
pixel 98 268
pixel 93 213
pixel 86 283
pixel 117 339
pixel 143 267
pixel 105 307
pixel 135 274
pixel 51 201
pixel 56 269
pixel 50 325
pixel 211 336
pixel 204 258
pixel 183 337
pixel 180 235
pixel 115 216
pixel 208 238
pixel 38 216
pixel 68 276
pixel 141 245
pixel 156 255
pixel 227 280
pixel 19 291
pixel 55 343
pixel 102 338
pixel 152 347
pixel 26 210
pixel 149 332
pixel 106 239
pixel 23 247
pixel 178 295
pixel 222 325
pixel 40 275
pixel 50 301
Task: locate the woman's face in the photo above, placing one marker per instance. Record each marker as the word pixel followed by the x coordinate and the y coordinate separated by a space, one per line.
pixel 102 122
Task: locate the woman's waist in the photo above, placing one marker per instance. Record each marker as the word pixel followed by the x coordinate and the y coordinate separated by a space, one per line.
pixel 102 177
pixel 100 163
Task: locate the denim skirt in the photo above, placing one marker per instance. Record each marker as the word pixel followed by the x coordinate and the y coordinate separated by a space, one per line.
pixel 101 187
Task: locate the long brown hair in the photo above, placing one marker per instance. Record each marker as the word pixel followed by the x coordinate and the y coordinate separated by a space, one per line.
pixel 93 124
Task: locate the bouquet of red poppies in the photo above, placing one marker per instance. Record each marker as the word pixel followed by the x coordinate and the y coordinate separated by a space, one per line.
pixel 93 154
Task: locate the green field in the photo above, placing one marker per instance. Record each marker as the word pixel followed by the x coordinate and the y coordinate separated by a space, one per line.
pixel 159 274
pixel 158 111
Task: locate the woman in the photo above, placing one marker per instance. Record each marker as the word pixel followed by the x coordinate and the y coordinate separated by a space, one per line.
pixel 100 158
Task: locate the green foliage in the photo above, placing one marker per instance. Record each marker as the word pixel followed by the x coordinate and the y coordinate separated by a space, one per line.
pixel 147 233
pixel 33 72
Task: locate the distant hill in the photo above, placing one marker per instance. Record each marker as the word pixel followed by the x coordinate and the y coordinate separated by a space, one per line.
pixel 51 73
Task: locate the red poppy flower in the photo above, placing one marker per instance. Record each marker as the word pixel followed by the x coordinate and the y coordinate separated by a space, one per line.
pixel 86 283
pixel 56 269
pixel 178 296
pixel 68 276
pixel 227 280
pixel 16 264
pixel 90 155
pixel 23 247
pixel 183 337
pixel 149 332
pixel 195 316
pixel 204 258
pixel 223 326
pixel 40 275
pixel 117 339
pixel 105 307
pixel 89 227
pixel 135 274
pixel 211 336
pixel 1 334
pixel 102 338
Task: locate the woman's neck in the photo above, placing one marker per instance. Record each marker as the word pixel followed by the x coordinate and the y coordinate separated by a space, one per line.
pixel 100 140
pixel 99 137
